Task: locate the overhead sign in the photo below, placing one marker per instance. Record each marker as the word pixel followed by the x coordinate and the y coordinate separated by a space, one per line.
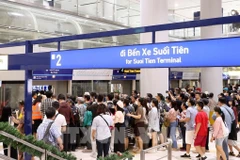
pixel 225 76
pixel 53 74
pixel 176 75
pixel 191 75
pixel 40 88
pixel 3 62
pixel 130 71
pixel 119 75
pixel 199 53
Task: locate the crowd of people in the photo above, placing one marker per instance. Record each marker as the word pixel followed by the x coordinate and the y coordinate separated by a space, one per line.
pixel 115 122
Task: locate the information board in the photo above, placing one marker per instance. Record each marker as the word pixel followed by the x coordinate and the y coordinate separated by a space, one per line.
pixel 119 75
pixel 198 53
pixel 53 74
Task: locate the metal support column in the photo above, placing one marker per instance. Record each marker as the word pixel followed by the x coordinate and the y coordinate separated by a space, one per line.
pixel 28 97
pixel 169 78
pixel 169 150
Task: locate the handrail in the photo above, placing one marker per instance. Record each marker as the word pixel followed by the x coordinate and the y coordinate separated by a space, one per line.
pixel 5 157
pixel 169 148
pixel 45 152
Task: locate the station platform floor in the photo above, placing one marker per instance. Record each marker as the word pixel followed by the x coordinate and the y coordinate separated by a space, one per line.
pixel 211 155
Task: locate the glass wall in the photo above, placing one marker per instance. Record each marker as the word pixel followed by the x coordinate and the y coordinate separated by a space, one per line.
pixel 103 87
pixel 80 87
pixel 26 23
pixel 11 93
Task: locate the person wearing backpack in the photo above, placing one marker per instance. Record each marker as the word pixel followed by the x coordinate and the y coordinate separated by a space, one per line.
pixel 87 122
pixel 49 132
pixel 129 122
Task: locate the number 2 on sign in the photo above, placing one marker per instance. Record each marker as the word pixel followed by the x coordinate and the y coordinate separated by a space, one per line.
pixel 59 57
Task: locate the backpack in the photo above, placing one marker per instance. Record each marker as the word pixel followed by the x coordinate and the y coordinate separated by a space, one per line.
pixel 87 121
pixel 76 115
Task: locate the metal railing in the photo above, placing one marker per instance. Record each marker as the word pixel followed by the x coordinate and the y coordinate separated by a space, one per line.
pixel 169 150
pixel 6 157
pixel 45 152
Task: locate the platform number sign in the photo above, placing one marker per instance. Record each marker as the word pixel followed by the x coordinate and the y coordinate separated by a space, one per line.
pixel 197 53
pixel 57 58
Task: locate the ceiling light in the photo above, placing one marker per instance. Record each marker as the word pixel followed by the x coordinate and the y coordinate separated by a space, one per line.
pixel 176 5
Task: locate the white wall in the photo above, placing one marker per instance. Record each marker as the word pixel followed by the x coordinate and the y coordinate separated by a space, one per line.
pixel 12 76
pixel 93 74
pixel 21 50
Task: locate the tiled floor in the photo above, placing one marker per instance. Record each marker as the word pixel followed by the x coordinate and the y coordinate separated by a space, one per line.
pixel 157 155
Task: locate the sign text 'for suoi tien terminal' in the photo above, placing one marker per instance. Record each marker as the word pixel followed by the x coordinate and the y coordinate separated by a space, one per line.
pixel 199 53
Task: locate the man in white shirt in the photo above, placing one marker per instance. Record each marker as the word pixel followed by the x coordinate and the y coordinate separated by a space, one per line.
pixel 60 120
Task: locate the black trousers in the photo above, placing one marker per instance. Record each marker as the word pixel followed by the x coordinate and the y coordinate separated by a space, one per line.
pixel 183 130
pixel 207 146
pixel 103 147
pixel 168 132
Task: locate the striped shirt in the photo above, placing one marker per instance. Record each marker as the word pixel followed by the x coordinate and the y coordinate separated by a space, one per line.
pixel 54 132
pixel 45 104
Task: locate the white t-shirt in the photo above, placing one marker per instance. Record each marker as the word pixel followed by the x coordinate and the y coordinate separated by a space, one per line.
pixel 102 129
pixel 60 121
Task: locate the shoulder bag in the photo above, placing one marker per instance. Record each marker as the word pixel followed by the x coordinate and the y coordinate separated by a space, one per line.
pixel 233 133
pixel 110 127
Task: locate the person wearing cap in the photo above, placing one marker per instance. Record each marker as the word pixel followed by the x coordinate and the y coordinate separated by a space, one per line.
pixel 87 93
pixel 198 90
pixel 119 127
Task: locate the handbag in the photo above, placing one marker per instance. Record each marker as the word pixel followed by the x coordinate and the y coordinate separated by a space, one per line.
pixel 225 129
pixel 110 127
pixel 166 122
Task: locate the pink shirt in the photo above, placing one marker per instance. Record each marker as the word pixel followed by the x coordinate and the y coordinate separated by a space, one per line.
pixel 217 128
pixel 119 117
pixel 172 115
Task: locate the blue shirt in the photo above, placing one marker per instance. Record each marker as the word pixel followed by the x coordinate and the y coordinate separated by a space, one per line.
pixel 53 131
pixel 128 109
pixel 191 113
